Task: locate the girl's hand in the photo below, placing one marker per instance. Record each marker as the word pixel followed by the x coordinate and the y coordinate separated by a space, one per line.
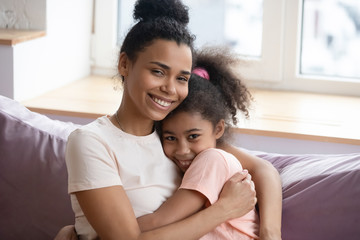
pixel 238 195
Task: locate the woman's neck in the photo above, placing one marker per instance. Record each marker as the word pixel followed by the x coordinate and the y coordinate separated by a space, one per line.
pixel 132 124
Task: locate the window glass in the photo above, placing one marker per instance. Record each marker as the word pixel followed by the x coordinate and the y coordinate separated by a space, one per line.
pixel 331 38
pixel 236 23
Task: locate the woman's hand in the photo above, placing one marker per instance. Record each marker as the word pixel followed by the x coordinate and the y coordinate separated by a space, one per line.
pixel 238 195
pixel 67 233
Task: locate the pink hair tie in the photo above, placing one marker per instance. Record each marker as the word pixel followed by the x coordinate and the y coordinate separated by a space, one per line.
pixel 201 72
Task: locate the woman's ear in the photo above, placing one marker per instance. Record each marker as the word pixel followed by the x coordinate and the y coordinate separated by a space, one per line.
pixel 220 129
pixel 124 64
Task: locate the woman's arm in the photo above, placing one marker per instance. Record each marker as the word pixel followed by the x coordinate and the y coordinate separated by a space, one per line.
pixel 109 212
pixel 268 191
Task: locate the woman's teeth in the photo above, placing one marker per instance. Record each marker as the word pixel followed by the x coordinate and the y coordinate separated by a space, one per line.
pixel 161 102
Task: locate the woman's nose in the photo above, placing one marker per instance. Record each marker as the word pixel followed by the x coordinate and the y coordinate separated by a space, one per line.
pixel 169 86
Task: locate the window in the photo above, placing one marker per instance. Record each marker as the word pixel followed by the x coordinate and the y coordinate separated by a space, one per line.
pixel 331 38
pixel 220 17
pixel 290 45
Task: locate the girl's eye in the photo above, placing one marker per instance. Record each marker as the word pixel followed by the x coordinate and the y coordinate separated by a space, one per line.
pixel 193 136
pixel 170 138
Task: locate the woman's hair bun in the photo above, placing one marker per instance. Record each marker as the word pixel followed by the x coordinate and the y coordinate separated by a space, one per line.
pixel 146 10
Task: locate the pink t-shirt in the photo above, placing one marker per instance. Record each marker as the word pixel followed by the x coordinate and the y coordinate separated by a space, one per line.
pixel 207 175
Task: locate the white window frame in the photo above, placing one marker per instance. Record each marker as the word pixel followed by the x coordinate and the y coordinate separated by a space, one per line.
pixel 278 67
pixel 104 49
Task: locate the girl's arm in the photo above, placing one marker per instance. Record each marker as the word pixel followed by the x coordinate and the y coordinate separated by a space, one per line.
pixel 268 191
pixel 109 212
pixel 185 203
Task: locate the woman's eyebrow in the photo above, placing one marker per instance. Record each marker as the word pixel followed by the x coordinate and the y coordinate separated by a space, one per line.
pixel 185 72
pixel 162 65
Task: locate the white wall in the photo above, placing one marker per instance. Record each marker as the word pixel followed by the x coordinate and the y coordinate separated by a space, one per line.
pixel 291 146
pixel 23 14
pixel 60 57
pixel 6 71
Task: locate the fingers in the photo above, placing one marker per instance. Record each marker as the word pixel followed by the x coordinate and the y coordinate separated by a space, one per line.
pixel 248 180
pixel 239 176
pixel 238 194
pixel 243 176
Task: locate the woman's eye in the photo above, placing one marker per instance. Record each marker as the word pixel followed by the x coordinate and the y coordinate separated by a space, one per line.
pixel 183 79
pixel 157 72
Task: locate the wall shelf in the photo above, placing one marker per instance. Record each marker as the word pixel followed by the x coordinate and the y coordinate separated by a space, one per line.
pixel 12 37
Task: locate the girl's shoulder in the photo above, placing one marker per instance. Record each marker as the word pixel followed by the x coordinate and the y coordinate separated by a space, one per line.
pixel 218 156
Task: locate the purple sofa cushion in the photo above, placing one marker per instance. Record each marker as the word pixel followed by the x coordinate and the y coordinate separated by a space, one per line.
pixel 321 195
pixel 34 203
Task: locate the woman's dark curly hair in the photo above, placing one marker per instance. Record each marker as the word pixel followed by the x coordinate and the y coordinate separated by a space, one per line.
pixel 157 19
pixel 221 96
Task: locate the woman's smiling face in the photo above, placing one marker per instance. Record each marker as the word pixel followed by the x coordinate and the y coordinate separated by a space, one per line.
pixel 157 81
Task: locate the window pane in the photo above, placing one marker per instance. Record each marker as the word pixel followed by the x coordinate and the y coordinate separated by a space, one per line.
pixel 236 23
pixel 331 38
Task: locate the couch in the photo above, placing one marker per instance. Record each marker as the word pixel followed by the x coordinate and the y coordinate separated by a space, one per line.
pixel 321 193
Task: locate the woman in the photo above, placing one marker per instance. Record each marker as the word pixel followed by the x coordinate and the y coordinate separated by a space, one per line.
pixel 117 169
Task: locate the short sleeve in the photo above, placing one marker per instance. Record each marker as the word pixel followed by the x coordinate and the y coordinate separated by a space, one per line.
pixel 90 162
pixel 207 174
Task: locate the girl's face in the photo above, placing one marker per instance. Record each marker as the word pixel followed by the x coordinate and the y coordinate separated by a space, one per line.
pixel 185 135
pixel 157 81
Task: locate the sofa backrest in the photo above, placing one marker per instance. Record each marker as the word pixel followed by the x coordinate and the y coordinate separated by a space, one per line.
pixel 321 193
pixel 34 203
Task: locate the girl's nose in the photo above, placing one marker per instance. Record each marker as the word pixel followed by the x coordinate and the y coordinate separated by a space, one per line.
pixel 182 148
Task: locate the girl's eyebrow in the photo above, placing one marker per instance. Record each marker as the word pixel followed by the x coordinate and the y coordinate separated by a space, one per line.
pixel 193 130
pixel 168 132
pixel 187 131
pixel 162 65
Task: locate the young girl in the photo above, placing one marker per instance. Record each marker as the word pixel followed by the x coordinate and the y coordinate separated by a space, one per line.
pixel 189 136
pixel 116 166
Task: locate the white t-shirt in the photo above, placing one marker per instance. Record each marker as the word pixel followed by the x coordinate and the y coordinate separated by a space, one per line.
pixel 101 155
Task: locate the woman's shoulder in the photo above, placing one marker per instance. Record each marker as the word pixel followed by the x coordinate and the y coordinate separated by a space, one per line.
pixel 93 130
